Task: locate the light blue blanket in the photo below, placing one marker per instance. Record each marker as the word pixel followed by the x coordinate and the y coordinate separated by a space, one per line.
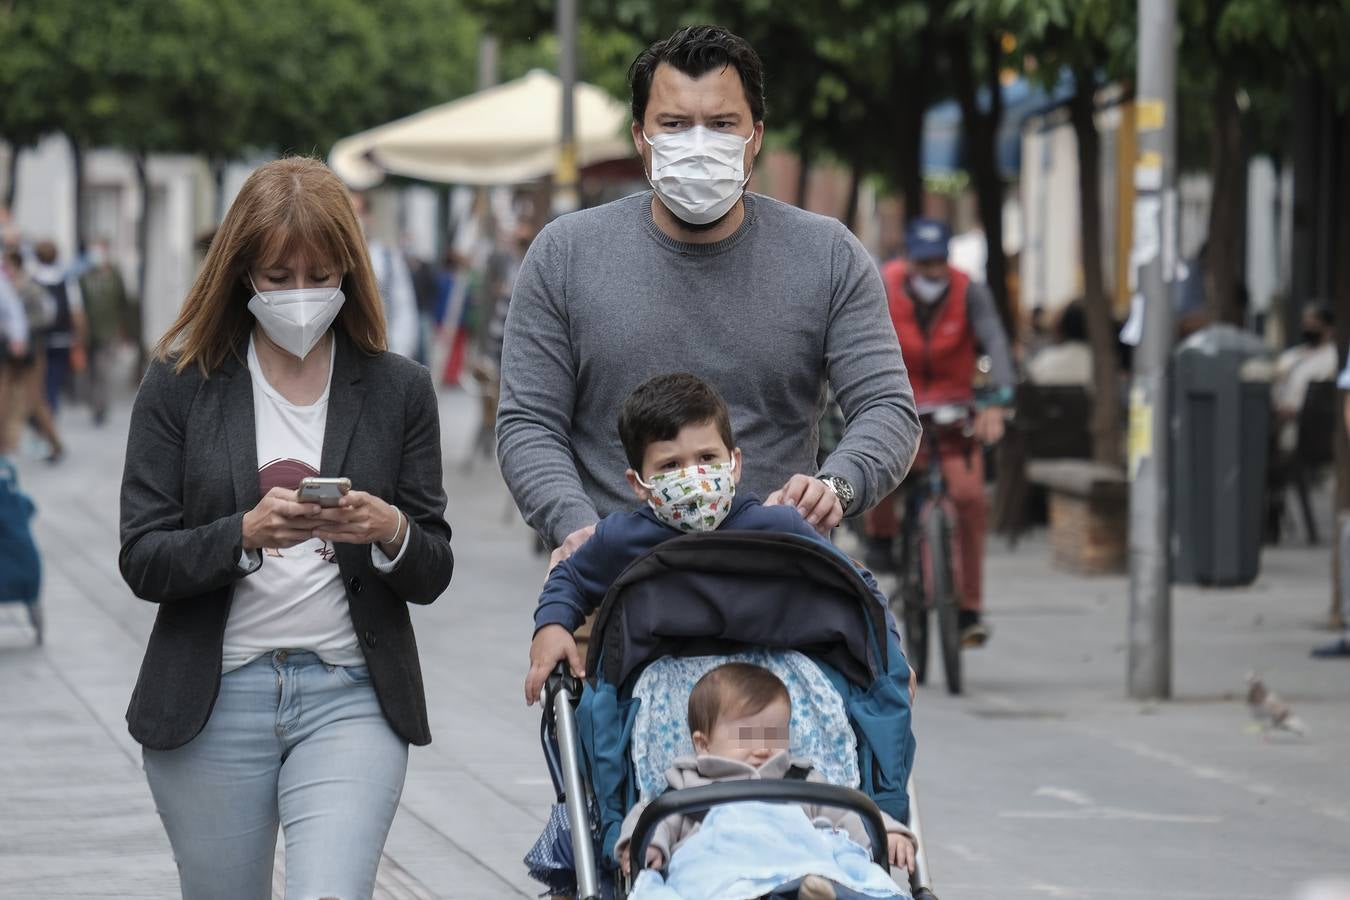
pixel 746 850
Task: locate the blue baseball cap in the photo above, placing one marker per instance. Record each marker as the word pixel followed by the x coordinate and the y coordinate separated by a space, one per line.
pixel 926 239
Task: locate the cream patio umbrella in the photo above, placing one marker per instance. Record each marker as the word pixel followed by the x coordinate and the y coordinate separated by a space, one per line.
pixel 505 134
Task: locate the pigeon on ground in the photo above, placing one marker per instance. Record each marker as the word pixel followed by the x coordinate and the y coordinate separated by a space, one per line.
pixel 1270 709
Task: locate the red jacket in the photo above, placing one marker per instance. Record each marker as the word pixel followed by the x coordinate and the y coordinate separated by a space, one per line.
pixel 941 360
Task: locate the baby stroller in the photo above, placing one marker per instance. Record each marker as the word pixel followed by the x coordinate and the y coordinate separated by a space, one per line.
pixel 778 600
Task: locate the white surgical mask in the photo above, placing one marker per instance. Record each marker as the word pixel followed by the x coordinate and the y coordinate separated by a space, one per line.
pixel 698 174
pixel 295 320
pixel 929 290
pixel 695 498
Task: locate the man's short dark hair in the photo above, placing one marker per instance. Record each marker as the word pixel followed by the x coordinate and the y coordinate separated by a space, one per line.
pixel 660 406
pixel 45 251
pixel 697 50
pixel 734 689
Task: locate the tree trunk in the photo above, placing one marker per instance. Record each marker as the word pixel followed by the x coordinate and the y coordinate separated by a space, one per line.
pixel 855 175
pixel 1106 424
pixel 12 175
pixel 143 245
pixel 979 131
pixel 803 174
pixel 218 180
pixel 77 165
pixel 1227 209
pixel 1336 143
pixel 904 121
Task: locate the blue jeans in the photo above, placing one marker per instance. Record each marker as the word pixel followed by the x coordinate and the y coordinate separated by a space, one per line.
pixel 291 741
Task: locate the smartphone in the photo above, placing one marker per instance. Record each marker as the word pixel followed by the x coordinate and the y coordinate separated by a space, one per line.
pixel 323 491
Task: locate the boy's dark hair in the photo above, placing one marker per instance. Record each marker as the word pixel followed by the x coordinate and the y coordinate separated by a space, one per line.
pixel 45 251
pixel 662 405
pixel 697 50
pixel 733 689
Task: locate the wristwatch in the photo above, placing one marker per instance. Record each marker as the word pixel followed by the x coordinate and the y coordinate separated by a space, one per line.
pixel 840 488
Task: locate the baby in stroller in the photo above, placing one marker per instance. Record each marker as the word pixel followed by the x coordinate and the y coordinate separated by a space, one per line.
pixel 739 717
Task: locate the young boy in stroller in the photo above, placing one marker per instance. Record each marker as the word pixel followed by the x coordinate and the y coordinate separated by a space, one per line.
pixel 674 606
pixel 684 465
pixel 739 717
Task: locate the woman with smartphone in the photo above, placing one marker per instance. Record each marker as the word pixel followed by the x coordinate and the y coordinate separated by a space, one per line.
pixel 281 685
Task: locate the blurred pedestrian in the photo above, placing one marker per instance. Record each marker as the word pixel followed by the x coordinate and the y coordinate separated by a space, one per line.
pixel 1068 361
pixel 65 336
pixel 1313 358
pixel 1036 337
pixel 768 303
pixel 395 283
pixel 1340 648
pixel 940 316
pixel 13 353
pixel 30 370
pixel 106 310
pixel 283 692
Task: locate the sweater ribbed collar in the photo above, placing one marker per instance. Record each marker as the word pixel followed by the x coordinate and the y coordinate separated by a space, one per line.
pixel 687 249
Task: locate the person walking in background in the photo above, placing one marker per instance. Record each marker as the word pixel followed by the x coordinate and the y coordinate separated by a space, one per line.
pixel 30 370
pixel 13 354
pixel 106 311
pixel 396 286
pixel 65 336
pixel 940 316
pixel 1068 361
pixel 1340 648
pixel 281 684
pixel 768 303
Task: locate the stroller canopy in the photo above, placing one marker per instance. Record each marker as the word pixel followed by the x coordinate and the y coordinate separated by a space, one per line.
pixel 719 592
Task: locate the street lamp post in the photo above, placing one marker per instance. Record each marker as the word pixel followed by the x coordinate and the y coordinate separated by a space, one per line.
pixel 1152 269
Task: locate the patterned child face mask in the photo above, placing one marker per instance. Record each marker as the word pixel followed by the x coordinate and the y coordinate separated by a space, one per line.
pixel 695 498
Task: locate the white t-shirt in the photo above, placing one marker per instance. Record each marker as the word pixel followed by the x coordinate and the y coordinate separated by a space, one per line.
pixel 295 600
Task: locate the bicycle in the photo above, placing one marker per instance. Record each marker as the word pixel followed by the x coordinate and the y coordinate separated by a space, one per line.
pixel 927 568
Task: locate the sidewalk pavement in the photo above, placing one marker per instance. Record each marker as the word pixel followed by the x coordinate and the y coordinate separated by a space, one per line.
pixel 1044 781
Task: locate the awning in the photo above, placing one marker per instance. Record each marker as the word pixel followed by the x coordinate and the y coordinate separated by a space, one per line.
pixel 505 134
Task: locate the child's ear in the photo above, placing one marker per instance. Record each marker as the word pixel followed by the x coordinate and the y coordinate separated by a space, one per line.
pixel 700 742
pixel 638 490
pixel 736 465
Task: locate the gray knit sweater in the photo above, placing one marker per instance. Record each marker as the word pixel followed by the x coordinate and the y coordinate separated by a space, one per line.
pixel 769 316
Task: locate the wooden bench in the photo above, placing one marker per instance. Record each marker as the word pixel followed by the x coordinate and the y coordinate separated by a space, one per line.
pixel 1089 514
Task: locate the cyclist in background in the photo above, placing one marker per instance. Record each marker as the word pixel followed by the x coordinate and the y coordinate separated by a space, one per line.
pixel 940 317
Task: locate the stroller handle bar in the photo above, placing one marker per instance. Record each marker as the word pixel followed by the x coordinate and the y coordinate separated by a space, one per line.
pixel 767 790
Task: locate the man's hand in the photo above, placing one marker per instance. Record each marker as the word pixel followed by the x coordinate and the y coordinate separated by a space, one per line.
pixel 989 424
pixel 819 505
pixel 552 644
pixel 570 545
pixel 913 685
pixel 18 349
pixel 900 851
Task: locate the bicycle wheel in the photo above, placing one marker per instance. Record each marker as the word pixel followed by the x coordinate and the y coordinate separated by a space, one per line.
pixel 915 601
pixel 942 591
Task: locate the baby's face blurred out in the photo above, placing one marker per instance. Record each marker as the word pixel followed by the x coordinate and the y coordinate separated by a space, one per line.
pixel 750 739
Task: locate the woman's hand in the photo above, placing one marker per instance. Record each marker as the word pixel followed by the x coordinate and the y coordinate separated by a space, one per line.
pixel 279 521
pixel 361 518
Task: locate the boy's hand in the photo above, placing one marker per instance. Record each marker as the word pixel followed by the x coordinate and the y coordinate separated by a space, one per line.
pixel 817 503
pixel 655 858
pixel 900 851
pixel 551 644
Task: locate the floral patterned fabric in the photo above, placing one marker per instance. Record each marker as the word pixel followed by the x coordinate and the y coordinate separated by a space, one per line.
pixel 820 727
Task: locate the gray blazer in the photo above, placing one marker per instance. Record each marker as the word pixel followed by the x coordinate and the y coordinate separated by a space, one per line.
pixel 191 474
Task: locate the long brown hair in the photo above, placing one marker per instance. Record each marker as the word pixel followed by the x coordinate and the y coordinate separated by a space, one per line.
pixel 290 205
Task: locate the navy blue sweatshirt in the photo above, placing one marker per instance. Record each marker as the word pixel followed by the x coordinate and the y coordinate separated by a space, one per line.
pixel 578 584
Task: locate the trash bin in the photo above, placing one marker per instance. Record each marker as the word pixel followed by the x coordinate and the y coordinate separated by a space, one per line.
pixel 1220 440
